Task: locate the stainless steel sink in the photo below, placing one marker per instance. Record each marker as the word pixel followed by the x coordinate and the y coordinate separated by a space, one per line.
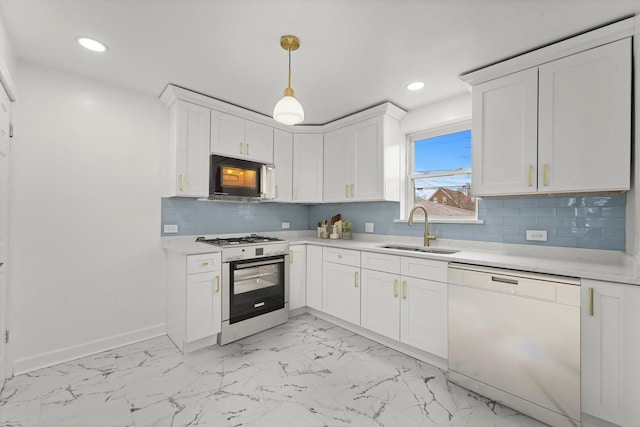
pixel 424 249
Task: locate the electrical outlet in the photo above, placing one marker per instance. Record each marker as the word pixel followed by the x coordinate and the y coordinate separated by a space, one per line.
pixel 538 235
pixel 368 227
pixel 285 225
pixel 171 228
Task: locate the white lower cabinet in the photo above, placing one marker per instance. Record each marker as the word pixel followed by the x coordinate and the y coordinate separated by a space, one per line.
pixel 314 277
pixel 410 309
pixel 341 284
pixel 610 348
pixel 423 315
pixel 297 276
pixel 194 300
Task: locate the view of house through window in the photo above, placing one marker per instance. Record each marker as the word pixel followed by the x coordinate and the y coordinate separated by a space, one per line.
pixel 441 175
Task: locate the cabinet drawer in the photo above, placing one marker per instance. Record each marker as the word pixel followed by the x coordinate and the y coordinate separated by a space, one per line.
pixel 424 269
pixel 203 263
pixel 381 262
pixel 341 256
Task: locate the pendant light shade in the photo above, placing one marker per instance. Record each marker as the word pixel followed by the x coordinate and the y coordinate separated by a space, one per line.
pixel 288 110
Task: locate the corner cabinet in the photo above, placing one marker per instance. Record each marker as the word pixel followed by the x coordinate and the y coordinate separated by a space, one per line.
pixel 341 284
pixel 194 302
pixel 237 137
pixel 362 161
pixel 283 161
pixel 561 127
pixel 189 126
pixel 610 348
pixel 307 168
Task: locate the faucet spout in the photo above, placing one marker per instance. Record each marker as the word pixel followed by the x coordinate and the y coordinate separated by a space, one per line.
pixel 427 237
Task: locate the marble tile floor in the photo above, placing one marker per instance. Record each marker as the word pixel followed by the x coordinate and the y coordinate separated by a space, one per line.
pixel 307 372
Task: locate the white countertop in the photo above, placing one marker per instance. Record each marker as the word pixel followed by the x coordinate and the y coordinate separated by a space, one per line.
pixel 614 266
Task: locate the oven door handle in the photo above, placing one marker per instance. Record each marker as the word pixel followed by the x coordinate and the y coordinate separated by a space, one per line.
pixel 258 263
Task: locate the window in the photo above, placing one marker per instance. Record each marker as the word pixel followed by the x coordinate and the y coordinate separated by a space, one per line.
pixel 439 173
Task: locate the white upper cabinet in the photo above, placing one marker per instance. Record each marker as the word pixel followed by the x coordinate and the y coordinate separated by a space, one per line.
pixel 189 153
pixel 505 133
pixel 560 127
pixel 584 141
pixel 362 161
pixel 240 138
pixel 307 168
pixel 283 161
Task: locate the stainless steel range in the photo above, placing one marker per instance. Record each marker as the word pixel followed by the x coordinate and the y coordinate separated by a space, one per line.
pixel 255 284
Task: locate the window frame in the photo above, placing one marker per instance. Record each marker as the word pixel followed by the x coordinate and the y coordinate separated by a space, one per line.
pixel 409 176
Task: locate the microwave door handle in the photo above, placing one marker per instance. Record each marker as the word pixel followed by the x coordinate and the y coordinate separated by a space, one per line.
pixel 219 193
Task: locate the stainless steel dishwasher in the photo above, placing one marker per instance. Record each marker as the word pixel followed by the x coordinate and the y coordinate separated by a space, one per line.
pixel 514 337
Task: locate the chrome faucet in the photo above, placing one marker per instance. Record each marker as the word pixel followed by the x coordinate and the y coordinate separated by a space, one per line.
pixel 427 236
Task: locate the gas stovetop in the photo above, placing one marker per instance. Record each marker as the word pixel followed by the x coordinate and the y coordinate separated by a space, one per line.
pixel 238 241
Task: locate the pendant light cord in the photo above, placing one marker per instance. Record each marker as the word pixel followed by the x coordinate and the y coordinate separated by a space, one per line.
pixel 289 81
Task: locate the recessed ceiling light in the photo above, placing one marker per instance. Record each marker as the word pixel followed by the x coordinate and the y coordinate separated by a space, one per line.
pixel 91 44
pixel 415 85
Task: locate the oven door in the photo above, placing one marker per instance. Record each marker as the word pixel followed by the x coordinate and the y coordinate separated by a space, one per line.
pixel 256 287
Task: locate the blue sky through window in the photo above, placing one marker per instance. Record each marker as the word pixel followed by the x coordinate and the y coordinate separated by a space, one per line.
pixel 442 153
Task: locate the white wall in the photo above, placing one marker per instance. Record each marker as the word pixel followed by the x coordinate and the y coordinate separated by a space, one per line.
pixel 437 114
pixel 87 264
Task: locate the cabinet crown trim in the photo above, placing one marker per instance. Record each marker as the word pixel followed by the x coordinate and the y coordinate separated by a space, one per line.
pixel 588 40
pixel 173 93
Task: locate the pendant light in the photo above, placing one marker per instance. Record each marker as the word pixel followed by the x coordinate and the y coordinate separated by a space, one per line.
pixel 288 110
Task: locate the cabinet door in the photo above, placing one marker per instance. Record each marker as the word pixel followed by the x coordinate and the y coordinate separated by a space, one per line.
pixel 338 149
pixel 380 303
pixel 423 315
pixel 227 135
pixel 258 142
pixel 504 126
pixel 314 277
pixel 610 348
pixel 341 291
pixel 203 305
pixel 367 160
pixel 283 160
pixel 297 277
pixel 192 161
pixel 307 168
pixel 585 121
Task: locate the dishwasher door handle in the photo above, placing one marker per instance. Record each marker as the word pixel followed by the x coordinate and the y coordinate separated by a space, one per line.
pixel 504 280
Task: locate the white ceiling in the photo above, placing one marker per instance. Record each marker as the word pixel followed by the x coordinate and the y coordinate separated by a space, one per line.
pixel 354 53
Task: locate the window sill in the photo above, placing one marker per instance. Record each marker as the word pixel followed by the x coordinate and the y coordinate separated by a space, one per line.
pixel 445 221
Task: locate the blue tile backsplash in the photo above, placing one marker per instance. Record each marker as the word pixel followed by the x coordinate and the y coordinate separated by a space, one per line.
pixel 595 222
pixel 205 217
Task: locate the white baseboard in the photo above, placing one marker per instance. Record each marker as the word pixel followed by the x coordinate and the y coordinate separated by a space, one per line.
pixel 54 357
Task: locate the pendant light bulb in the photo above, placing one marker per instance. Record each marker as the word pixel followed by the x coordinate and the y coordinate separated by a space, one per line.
pixel 288 110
